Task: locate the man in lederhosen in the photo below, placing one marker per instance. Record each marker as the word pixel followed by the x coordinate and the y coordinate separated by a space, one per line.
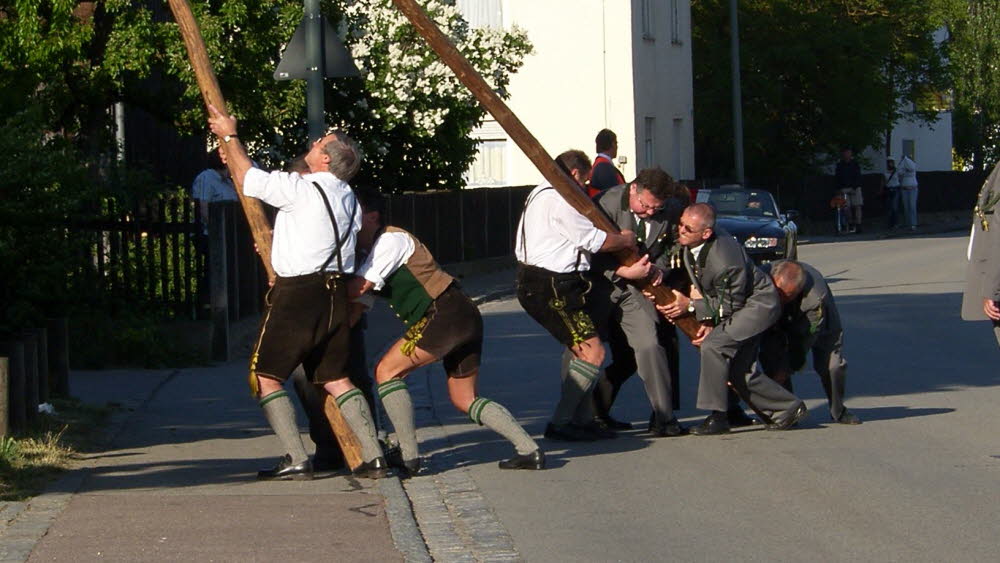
pixel 305 321
pixel 443 324
pixel 553 247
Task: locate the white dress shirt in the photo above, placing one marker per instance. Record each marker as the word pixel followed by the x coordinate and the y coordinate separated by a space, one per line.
pixel 303 234
pixel 554 236
pixel 390 251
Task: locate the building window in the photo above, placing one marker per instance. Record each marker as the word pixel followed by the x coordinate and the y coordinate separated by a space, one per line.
pixel 489 167
pixel 675 23
pixel 482 13
pixel 648 21
pixel 910 148
pixel 676 167
pixel 649 141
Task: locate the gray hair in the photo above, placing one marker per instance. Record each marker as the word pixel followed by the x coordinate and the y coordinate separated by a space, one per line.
pixel 705 212
pixel 345 156
pixel 789 274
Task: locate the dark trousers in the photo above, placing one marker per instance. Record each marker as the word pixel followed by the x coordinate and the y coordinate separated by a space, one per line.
pixel 313 397
pixel 726 359
pixel 893 207
pixel 623 366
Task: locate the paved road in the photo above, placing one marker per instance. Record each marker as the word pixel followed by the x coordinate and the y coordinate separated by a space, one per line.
pixel 919 481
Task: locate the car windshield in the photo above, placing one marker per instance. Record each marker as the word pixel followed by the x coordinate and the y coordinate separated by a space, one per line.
pixel 749 203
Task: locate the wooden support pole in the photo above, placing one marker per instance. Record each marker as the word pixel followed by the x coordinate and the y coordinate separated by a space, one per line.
pixel 58 340
pixel 13 350
pixel 260 227
pixel 43 363
pixel 30 343
pixel 563 184
pixel 4 397
pixel 218 281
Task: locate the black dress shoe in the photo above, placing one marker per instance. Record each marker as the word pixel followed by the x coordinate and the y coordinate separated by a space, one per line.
pixel 374 469
pixel 715 423
pixel 598 430
pixel 285 471
pixel 738 419
pixel 407 467
pixel 613 424
pixel 847 417
pixel 568 433
pixel 534 460
pixel 789 418
pixel 668 429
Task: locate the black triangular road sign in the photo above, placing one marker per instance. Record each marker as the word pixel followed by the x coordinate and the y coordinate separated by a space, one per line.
pixel 338 61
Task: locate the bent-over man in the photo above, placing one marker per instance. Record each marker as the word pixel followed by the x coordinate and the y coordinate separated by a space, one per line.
pixel 809 321
pixel 736 302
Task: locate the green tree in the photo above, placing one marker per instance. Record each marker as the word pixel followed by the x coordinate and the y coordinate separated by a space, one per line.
pixel 973 50
pixel 76 59
pixel 813 77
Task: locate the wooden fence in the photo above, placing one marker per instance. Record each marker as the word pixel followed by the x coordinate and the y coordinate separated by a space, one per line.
pixel 156 254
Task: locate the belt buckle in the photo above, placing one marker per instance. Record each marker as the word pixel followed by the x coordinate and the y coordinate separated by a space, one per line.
pixel 330 279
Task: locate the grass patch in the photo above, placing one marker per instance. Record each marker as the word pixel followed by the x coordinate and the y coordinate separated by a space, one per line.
pixel 30 460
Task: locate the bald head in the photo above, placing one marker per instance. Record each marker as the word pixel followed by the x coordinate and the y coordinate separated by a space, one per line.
pixel 790 279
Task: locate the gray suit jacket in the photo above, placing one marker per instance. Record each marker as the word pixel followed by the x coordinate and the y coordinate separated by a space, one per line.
pixel 982 276
pixel 614 201
pixel 814 312
pixel 737 296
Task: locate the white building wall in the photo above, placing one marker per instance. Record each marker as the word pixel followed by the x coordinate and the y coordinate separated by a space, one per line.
pixel 932 145
pixel 592 69
pixel 664 91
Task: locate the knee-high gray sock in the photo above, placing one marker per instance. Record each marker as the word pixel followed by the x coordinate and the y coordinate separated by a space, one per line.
pixel 395 398
pixel 576 387
pixel 281 416
pixel 358 416
pixel 494 416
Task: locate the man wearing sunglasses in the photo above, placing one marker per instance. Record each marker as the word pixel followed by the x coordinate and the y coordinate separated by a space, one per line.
pixel 736 302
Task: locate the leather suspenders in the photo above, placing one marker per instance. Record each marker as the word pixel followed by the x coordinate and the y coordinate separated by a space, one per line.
pixel 336 232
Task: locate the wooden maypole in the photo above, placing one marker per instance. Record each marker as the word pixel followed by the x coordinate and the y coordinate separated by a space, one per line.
pixel 260 227
pixel 563 184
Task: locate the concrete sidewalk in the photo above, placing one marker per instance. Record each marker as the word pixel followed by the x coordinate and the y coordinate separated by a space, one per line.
pixel 175 480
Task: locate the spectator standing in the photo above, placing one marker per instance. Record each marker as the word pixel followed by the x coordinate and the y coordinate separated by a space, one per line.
pixel 848 179
pixel 892 193
pixel 604 175
pixel 212 185
pixel 908 190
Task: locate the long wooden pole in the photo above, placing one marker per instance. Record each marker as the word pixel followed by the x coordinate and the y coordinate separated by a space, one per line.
pixel 260 227
pixel 563 184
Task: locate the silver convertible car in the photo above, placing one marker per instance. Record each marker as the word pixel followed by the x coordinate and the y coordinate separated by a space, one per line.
pixel 753 218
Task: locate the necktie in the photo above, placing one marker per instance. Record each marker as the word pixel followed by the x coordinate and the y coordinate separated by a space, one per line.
pixel 640 233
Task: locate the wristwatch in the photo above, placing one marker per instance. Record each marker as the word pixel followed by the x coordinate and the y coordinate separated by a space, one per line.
pixel 227 138
pixel 691 306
